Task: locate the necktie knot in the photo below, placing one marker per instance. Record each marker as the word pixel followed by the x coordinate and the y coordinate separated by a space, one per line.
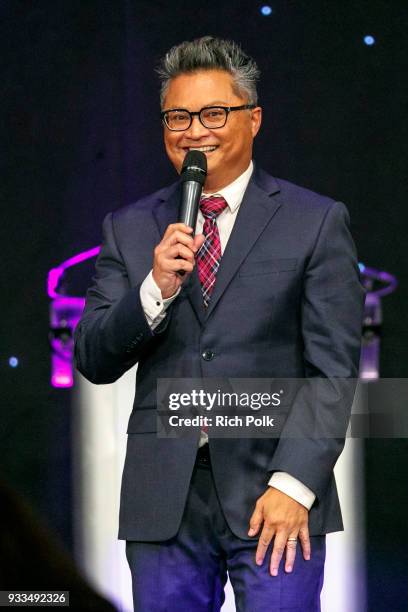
pixel 213 206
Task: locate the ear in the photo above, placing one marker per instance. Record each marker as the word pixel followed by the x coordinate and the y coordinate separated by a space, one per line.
pixel 256 120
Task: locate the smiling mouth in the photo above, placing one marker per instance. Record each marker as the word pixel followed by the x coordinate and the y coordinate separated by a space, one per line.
pixel 207 149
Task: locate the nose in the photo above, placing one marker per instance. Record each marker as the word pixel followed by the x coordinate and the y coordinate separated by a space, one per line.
pixel 196 129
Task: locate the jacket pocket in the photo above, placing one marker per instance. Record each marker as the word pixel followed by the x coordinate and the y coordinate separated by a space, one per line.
pixel 270 266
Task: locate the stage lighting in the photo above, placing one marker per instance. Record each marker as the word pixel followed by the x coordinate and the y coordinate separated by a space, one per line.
pixel 266 10
pixel 369 40
pixel 13 362
pixel 65 312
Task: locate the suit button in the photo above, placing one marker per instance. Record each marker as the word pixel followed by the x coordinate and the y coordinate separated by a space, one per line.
pixel 208 355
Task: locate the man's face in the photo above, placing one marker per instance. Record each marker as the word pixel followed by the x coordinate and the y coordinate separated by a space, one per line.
pixel 228 149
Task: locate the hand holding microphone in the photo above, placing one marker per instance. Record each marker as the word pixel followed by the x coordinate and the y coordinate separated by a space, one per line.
pixel 174 256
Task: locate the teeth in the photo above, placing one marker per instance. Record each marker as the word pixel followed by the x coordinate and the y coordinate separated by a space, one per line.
pixel 203 149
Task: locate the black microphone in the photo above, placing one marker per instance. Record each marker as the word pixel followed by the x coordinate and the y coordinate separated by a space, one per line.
pixel 193 175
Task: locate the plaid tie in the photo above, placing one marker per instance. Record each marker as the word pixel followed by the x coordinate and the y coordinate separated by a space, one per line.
pixel 209 255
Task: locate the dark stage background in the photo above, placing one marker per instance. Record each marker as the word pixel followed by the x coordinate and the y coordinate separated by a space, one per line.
pixel 82 136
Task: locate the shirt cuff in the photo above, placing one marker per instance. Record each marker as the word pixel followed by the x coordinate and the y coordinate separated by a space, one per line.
pixel 292 487
pixel 154 306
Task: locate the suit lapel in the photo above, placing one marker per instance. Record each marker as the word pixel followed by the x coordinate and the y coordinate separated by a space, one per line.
pixel 256 210
pixel 192 288
pixel 167 208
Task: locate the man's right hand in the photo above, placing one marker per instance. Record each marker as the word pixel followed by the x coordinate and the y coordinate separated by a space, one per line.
pixel 175 252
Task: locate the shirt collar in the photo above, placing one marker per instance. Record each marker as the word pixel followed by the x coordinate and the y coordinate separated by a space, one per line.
pixel 234 192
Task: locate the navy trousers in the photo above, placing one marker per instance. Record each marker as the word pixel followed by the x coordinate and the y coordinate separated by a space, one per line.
pixel 188 572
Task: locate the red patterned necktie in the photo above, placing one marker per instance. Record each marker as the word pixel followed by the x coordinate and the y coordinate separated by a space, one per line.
pixel 209 256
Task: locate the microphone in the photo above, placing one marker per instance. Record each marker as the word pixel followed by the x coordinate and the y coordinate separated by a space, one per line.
pixel 193 175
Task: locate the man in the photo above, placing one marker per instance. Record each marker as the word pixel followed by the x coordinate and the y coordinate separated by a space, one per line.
pixel 281 299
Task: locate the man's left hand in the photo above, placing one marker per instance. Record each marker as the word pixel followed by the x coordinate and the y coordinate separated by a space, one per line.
pixel 282 518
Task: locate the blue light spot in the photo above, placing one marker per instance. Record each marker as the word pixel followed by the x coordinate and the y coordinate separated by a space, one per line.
pixel 266 10
pixel 369 40
pixel 361 266
pixel 13 362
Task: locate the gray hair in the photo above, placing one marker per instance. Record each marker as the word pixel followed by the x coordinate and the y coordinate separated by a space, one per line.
pixel 210 53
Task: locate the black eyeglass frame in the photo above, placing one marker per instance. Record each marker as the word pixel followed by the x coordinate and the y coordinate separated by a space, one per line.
pixel 227 109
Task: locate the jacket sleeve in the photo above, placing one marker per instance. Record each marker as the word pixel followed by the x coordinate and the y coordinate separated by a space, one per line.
pixel 113 331
pixel 331 321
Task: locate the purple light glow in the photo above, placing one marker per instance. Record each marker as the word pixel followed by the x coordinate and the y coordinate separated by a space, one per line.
pixel 65 312
pixel 62 381
pixel 390 281
pixel 55 274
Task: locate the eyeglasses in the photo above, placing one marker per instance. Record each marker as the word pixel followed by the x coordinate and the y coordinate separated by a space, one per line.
pixel 212 117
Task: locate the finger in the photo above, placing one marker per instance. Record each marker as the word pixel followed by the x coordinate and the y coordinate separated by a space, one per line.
pixel 178 250
pixel 174 239
pixel 177 238
pixel 176 265
pixel 278 550
pixel 304 539
pixel 181 227
pixel 291 547
pixel 265 538
pixel 165 261
pixel 256 520
pixel 182 238
pixel 199 241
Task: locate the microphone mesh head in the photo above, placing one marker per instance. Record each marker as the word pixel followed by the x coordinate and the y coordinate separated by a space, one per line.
pixel 194 167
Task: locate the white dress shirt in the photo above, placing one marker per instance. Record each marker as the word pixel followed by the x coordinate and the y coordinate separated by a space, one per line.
pixel 155 306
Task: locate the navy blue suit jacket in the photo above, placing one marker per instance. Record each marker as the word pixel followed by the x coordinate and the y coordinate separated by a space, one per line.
pixel 287 303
